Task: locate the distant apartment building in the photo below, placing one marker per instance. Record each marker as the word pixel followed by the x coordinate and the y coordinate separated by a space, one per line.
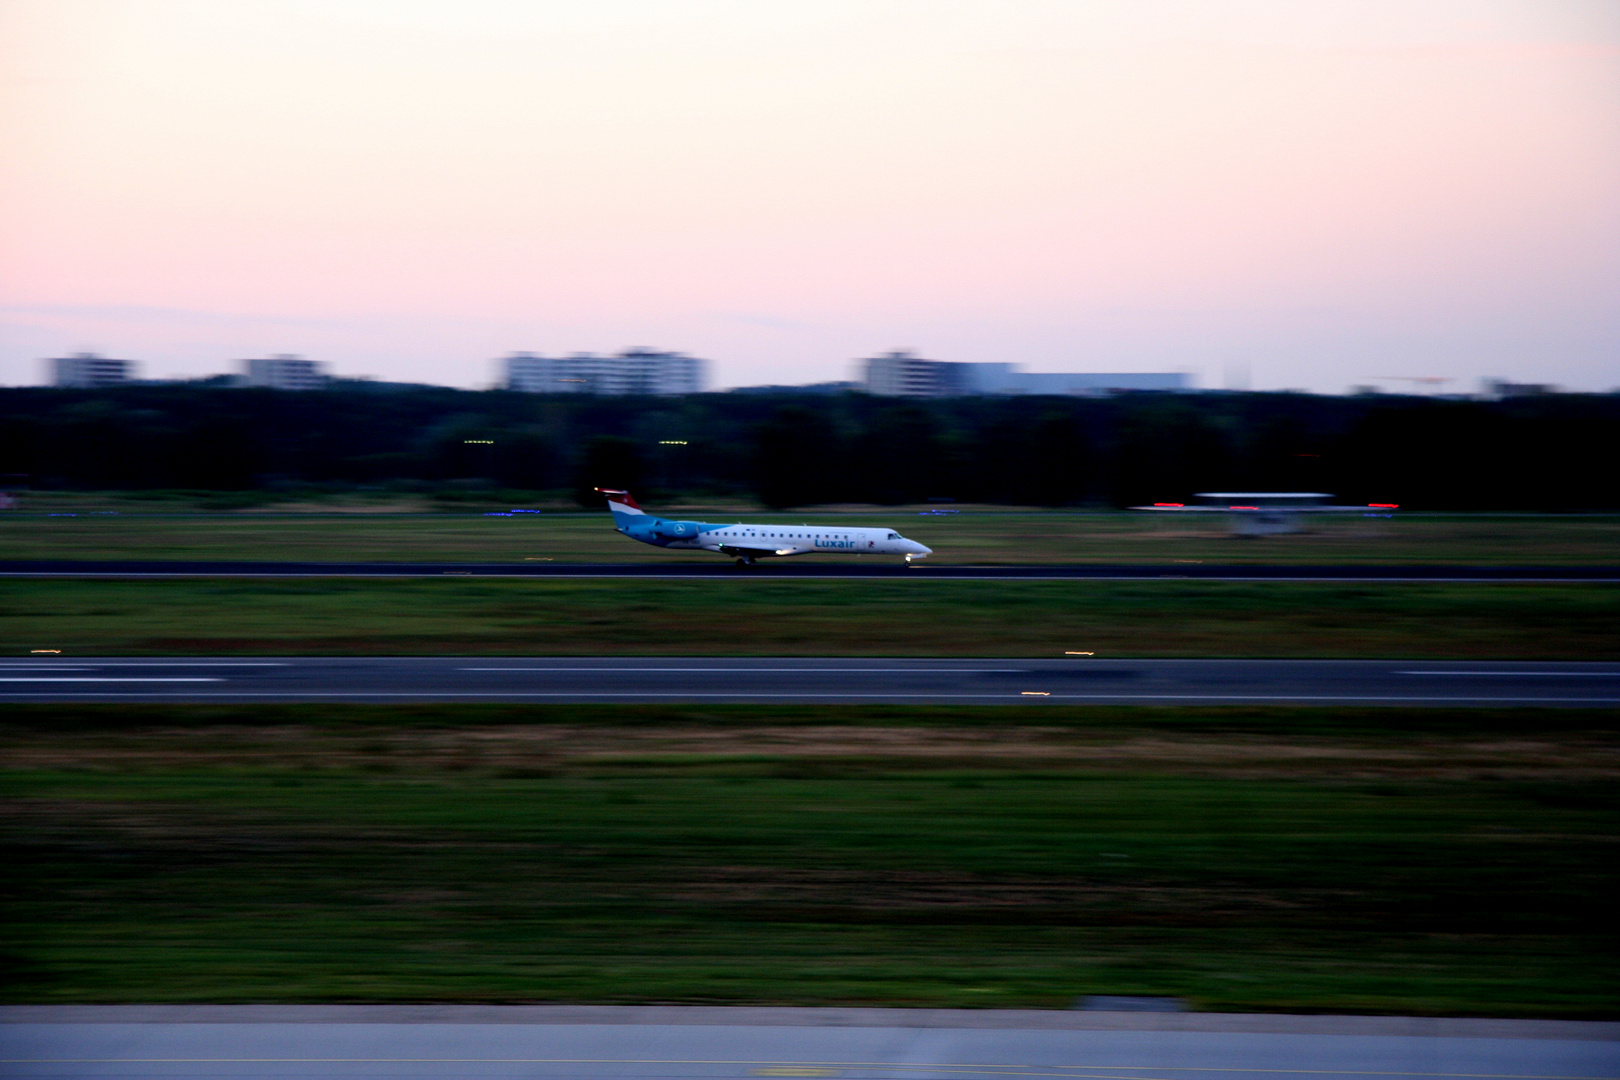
pixel 286 373
pixel 902 374
pixel 88 369
pixel 634 371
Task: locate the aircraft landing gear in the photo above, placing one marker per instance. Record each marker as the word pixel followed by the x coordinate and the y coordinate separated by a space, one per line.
pixel 745 562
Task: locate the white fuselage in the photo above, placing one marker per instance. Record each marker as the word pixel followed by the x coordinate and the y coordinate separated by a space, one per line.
pixel 749 542
pixel 805 539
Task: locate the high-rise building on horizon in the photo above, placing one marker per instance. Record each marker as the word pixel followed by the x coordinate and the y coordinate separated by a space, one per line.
pixel 904 374
pixel 88 369
pixel 286 372
pixel 634 371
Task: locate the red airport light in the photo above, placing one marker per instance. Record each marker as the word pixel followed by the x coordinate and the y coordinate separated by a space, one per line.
pixel 1383 506
pixel 1171 505
pixel 1243 508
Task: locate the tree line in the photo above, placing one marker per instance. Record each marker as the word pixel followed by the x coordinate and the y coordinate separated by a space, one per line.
pixel 1552 452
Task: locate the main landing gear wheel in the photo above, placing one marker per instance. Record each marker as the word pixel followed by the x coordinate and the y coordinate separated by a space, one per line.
pixel 745 562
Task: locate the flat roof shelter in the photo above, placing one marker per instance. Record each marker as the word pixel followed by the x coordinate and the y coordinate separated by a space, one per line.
pixel 1266 513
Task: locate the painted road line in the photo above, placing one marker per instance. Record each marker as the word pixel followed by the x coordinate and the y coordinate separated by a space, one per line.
pixel 773 671
pixel 1525 674
pixel 118 664
pixel 102 679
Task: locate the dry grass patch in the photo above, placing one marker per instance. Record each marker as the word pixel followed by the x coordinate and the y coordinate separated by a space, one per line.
pixel 557 749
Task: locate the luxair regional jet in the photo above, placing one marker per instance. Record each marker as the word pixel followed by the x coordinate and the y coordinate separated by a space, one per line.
pixel 746 543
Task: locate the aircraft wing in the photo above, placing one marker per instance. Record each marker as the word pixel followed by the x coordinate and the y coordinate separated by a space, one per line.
pixel 735 549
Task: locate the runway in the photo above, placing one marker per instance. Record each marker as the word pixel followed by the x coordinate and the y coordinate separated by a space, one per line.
pixel 851 1044
pixel 789 570
pixel 1071 680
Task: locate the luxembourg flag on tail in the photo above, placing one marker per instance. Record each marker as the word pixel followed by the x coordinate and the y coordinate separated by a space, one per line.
pixel 622 505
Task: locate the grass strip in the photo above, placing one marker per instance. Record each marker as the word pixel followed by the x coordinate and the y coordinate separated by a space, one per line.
pixel 811 618
pixel 999 538
pixel 475 855
pixel 1382 722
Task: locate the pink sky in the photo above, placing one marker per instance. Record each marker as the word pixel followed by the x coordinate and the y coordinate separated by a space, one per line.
pixel 1314 193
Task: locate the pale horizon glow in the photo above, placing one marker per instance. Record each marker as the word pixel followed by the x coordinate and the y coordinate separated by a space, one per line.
pixel 1274 193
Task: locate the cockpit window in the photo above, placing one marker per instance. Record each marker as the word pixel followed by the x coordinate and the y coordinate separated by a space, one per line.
pixel 894 536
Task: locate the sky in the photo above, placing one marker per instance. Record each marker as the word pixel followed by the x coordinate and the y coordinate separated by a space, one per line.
pixel 1266 195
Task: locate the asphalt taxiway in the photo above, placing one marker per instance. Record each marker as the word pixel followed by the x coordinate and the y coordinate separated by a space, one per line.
pixel 1070 680
pixel 852 1044
pixel 793 570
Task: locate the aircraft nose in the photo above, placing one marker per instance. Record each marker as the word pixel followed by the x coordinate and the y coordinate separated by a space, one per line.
pixel 922 549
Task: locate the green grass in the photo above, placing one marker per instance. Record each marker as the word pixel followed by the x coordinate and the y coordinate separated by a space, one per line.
pixel 1000 538
pixel 842 618
pixel 1390 727
pixel 599 854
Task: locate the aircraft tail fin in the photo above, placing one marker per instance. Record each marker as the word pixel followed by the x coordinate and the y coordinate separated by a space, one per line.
pixel 622 505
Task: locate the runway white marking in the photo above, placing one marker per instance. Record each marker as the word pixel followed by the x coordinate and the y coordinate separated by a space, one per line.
pixel 770 670
pixel 116 664
pixel 1526 674
pixel 100 679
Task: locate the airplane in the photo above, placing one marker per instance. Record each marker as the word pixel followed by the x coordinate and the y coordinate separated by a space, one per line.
pixel 746 543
